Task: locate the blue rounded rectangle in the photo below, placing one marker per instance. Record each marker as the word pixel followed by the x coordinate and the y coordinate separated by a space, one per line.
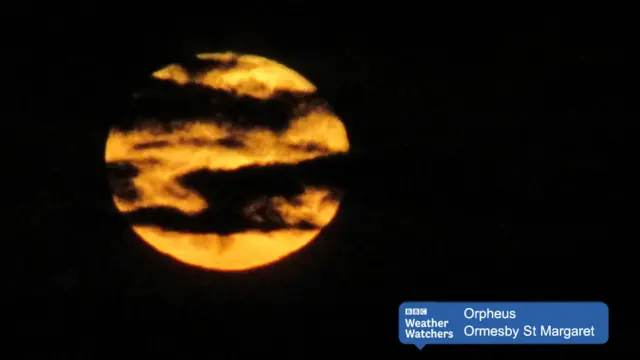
pixel 526 323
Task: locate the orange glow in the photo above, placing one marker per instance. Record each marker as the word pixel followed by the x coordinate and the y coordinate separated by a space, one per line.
pixel 252 75
pixel 193 145
pixel 247 249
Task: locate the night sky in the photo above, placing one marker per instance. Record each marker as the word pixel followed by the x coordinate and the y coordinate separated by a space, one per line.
pixel 487 163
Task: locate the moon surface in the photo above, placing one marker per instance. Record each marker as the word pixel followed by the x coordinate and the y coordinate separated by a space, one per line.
pixel 182 173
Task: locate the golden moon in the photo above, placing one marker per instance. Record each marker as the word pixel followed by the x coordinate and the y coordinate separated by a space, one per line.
pixel 161 150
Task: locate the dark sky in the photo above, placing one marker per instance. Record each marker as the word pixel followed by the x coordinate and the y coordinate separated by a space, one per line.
pixel 487 164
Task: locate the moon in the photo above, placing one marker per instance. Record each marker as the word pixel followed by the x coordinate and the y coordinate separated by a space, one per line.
pixel 222 117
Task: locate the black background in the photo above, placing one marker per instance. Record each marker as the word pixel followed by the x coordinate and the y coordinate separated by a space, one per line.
pixel 488 163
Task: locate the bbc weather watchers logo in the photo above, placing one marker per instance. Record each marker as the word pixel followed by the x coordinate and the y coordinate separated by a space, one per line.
pixel 415 311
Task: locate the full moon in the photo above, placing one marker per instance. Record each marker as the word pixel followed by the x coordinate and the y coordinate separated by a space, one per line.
pixel 218 117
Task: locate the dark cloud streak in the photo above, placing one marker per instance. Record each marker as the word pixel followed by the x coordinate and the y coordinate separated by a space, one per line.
pixel 167 102
pixel 213 220
pixel 151 145
pixel 229 142
pixel 229 193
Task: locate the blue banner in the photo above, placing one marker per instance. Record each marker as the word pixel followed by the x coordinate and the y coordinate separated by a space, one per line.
pixel 432 323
